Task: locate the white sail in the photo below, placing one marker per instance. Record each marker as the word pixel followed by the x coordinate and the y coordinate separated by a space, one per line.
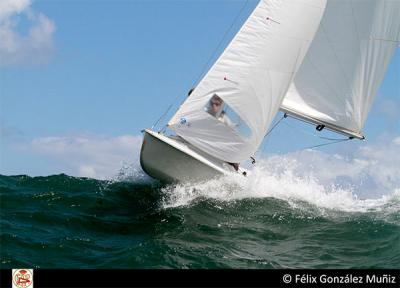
pixel 341 73
pixel 251 76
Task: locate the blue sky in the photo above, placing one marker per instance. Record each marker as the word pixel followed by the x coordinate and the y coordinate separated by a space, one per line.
pixel 80 79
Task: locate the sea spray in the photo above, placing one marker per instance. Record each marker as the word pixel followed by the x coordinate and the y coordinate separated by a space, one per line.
pixel 267 180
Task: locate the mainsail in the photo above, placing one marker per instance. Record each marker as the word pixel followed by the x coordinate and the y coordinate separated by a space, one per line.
pixel 341 73
pixel 251 76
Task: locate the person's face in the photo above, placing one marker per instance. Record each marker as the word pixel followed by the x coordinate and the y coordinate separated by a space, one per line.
pixel 215 106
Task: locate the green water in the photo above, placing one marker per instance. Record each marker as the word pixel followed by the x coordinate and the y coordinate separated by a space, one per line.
pixel 66 222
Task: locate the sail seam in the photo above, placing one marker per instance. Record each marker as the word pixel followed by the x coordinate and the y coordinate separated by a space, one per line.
pixel 338 60
pixel 323 80
pixel 359 45
pixel 356 26
pixel 384 40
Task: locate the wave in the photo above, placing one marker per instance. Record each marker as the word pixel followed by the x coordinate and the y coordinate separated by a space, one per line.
pixel 363 178
pixel 270 219
pixel 308 180
pixel 301 188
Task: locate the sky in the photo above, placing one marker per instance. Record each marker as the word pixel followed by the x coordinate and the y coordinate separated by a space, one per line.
pixel 80 79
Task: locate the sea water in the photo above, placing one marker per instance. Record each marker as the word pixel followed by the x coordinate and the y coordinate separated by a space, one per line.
pixel 274 218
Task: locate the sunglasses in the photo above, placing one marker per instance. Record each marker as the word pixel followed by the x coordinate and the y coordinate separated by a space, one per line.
pixel 216 103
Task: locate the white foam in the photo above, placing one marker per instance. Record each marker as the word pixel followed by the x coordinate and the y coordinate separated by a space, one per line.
pixel 363 179
pixel 286 180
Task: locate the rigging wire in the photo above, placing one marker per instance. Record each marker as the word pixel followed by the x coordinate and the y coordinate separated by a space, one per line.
pixel 326 144
pixel 212 56
pixel 253 159
pixel 333 140
pixel 311 134
pixel 276 124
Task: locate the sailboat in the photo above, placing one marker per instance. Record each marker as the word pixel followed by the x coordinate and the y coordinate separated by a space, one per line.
pixel 318 61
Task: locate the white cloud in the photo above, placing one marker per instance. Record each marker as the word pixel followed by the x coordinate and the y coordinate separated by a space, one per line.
pixel 10 7
pixel 16 49
pixel 389 108
pixel 92 156
pixel 87 171
pixel 396 141
pixel 371 170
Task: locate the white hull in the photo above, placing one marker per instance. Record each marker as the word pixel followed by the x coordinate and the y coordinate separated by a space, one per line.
pixel 174 160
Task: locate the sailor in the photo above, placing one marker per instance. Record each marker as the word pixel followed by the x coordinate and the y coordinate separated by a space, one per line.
pixel 215 108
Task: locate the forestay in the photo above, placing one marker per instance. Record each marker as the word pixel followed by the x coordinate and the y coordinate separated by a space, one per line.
pixel 251 76
pixel 341 73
